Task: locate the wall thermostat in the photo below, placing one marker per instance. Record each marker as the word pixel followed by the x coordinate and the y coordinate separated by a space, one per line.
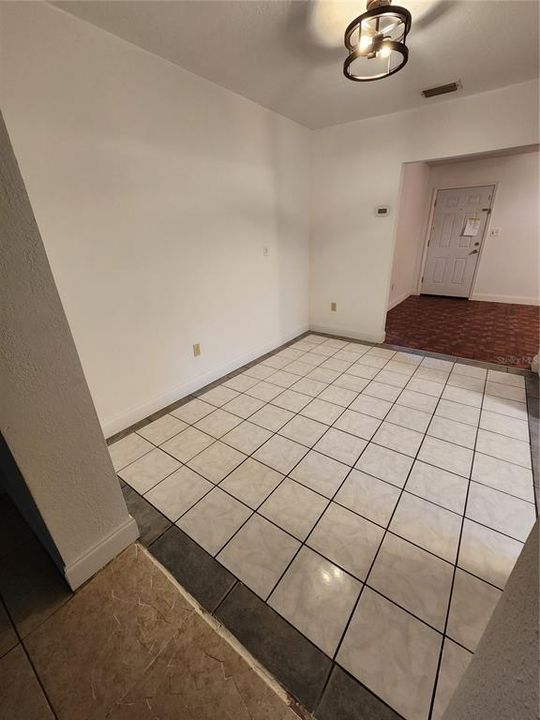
pixel 382 210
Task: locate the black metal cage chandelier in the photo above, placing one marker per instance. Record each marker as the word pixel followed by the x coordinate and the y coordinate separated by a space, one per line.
pixel 376 42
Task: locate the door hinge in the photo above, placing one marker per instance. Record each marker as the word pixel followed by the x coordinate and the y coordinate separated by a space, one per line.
pixel 488 210
pixel 422 280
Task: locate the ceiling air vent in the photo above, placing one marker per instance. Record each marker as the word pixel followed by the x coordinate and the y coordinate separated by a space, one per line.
pixel 442 89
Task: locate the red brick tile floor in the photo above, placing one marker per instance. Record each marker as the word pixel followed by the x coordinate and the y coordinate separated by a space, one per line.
pixel 492 332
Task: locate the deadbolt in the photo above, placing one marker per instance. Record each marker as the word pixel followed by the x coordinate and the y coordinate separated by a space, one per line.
pixel 473 252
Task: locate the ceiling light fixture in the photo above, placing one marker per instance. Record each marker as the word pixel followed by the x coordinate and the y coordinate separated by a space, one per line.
pixel 376 42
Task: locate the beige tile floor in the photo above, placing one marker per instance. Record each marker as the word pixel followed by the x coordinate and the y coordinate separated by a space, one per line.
pixel 376 499
pixel 126 645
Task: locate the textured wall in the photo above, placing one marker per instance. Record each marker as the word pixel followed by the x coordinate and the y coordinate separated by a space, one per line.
pixel 46 414
pixel 501 683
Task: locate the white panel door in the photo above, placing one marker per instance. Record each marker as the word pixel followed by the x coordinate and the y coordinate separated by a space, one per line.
pixel 457 231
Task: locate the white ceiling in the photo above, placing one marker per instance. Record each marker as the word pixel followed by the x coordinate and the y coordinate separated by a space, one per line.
pixel 287 55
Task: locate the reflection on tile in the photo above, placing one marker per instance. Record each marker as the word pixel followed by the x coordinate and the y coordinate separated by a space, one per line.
pixel 316 597
pixel 125 451
pixel 439 486
pixel 243 406
pixel 219 395
pixel 347 539
pixel 295 662
pixel 218 423
pixel 391 652
pixel 258 554
pixel 427 525
pixel 414 579
pixel 487 553
pixel 505 425
pixel 355 423
pixel 193 411
pixel 303 430
pixel 21 696
pixel 322 411
pixel 280 453
pixel 371 406
pixel 504 476
pixel 458 412
pixel 216 461
pixel 501 512
pixel 214 519
pixel 372 498
pixel 247 437
pixel 473 602
pixel 344 698
pixel 146 472
pixel 251 482
pixel 151 522
pixel 177 493
pixel 294 508
pixel 162 429
pixel 504 448
pixel 320 473
pixel 385 464
pixel 452 431
pixel 398 438
pixel 341 446
pixel 455 661
pixel 270 417
pixel 447 456
pixel 409 418
pixel 187 444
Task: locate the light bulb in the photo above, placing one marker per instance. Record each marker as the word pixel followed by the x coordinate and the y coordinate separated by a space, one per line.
pixel 385 51
pixel 365 43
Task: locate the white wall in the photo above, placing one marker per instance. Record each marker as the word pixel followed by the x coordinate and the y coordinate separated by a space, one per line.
pixel 410 230
pixel 508 269
pixel 155 192
pixel 47 417
pixel 357 166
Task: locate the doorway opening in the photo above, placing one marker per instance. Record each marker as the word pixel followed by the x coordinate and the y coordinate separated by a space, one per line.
pixel 464 277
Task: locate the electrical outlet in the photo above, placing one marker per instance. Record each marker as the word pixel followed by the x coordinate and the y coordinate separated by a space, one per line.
pixel 196 350
pixel 333 307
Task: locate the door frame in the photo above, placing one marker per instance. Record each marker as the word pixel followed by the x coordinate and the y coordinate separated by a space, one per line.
pixel 429 228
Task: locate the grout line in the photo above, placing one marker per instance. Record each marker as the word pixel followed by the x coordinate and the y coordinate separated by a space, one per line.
pixel 343 409
pixel 21 643
pixel 451 595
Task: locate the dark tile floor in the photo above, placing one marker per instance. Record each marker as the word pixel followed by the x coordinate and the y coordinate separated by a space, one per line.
pixel 492 332
pixel 128 645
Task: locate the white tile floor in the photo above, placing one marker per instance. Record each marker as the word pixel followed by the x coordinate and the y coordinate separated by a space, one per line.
pixel 377 500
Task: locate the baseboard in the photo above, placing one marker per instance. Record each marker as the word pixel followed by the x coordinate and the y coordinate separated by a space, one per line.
pixel 139 412
pixel 349 333
pixel 400 299
pixel 85 567
pixel 514 300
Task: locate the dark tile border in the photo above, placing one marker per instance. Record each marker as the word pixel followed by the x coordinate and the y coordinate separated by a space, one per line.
pixel 307 674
